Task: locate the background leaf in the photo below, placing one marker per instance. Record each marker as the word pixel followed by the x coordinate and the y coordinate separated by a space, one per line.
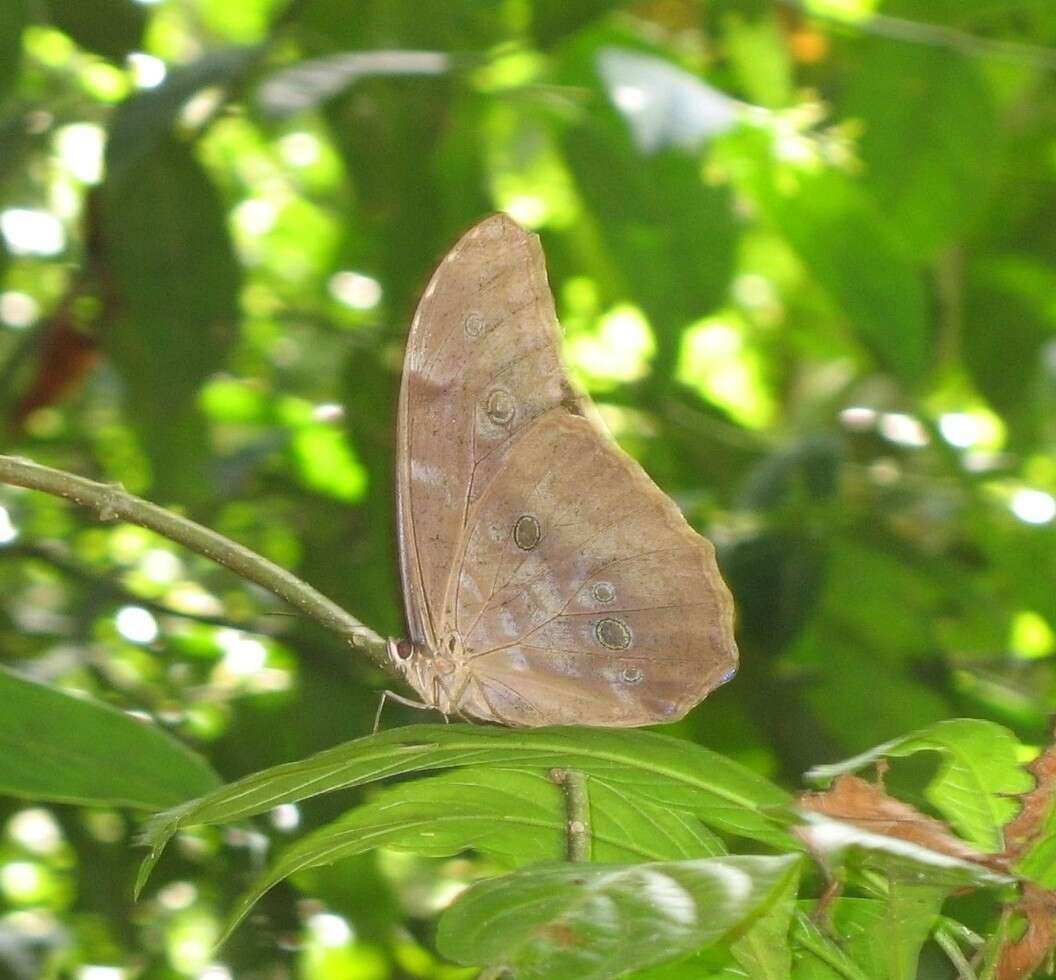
pixel 72 750
pixel 596 921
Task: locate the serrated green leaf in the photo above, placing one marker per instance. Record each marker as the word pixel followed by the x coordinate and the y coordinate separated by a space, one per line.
pixel 975 785
pixel 515 815
pixel 666 771
pixel 589 921
pixel 66 749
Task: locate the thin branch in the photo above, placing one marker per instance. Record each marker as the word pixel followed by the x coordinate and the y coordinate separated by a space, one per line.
pixel 111 503
pixel 577 804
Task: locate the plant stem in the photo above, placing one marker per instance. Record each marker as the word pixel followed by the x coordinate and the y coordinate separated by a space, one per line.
pixel 577 805
pixel 111 502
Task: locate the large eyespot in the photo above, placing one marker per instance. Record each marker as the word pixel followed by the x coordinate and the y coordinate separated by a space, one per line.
pixel 613 634
pixel 527 532
pixel 631 675
pixel 474 324
pixel 499 406
pixel 604 592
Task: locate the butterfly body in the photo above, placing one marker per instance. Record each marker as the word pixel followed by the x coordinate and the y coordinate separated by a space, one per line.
pixel 547 579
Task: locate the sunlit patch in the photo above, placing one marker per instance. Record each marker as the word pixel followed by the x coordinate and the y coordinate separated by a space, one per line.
pixel 286 816
pixel 136 624
pixel 716 360
pixel 18 309
pixel 972 429
pixel 80 148
pixel 299 149
pixel 31 232
pixel 355 290
pixel 96 971
pixel 199 108
pixel 23 881
pixel 858 418
pixel 617 349
pixel 190 941
pixel 243 655
pixel 177 895
pixel 36 830
pixel 255 216
pixel 146 70
pixel 629 98
pixel 328 929
pixel 8 531
pixel 848 10
pixel 1031 636
pixel 328 412
pixel 160 566
pixel 1033 506
pixel 529 210
pixel 902 429
pixel 215 971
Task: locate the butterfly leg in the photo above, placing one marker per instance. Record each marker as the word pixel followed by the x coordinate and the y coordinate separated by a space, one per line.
pixel 399 698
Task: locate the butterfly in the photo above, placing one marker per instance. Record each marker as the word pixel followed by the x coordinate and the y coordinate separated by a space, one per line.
pixel 547 579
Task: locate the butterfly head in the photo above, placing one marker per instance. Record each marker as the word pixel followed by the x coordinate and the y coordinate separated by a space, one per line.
pixel 436 675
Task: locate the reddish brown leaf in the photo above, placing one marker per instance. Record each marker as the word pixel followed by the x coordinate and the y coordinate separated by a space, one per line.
pixel 1019 959
pixel 1029 823
pixel 868 806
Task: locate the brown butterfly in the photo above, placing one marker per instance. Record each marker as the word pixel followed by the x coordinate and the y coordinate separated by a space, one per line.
pixel 547 579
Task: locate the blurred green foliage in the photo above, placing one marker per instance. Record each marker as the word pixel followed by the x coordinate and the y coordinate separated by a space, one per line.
pixel 805 257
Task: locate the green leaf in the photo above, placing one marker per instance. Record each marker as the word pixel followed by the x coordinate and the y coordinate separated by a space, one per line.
pixel 145 120
pixel 177 280
pixel 589 921
pixel 515 815
pixel 66 749
pixel 842 235
pixel 878 939
pixel 111 28
pixel 975 785
pixel 14 15
pixel 669 772
pixel 764 951
pixel 817 955
pixel 929 138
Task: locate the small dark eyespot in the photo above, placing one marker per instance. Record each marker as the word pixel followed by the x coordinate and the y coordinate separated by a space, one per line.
pixel 404 649
pixel 613 634
pixel 604 592
pixel 527 532
pixel 631 675
pixel 499 406
pixel 474 325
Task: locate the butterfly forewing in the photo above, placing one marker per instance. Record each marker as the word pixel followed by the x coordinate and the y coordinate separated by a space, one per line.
pixel 566 586
pixel 482 361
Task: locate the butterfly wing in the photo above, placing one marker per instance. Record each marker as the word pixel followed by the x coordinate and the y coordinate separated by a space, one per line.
pixel 481 363
pixel 578 592
pixel 584 597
